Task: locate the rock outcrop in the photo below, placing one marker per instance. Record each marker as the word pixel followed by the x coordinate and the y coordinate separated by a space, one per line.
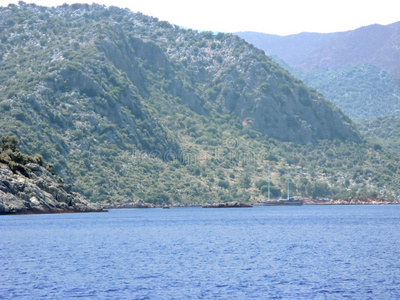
pixel 228 205
pixel 41 192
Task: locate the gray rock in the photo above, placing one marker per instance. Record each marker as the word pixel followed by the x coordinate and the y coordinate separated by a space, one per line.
pixel 39 193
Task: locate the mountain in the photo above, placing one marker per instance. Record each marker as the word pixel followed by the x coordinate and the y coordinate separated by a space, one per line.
pixel 375 45
pixel 27 187
pixel 292 49
pixel 364 92
pixel 358 70
pixel 385 130
pixel 128 107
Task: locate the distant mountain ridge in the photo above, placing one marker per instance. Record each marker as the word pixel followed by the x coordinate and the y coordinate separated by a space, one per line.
pixel 359 70
pixel 292 49
pixel 377 45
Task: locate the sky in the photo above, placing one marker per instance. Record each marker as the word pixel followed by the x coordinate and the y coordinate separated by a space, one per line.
pixel 282 17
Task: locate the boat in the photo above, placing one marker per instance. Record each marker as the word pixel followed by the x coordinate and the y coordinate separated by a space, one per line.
pixel 290 201
pixel 166 207
pixel 284 202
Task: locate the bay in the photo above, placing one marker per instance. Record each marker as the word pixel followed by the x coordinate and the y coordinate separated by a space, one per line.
pixel 307 252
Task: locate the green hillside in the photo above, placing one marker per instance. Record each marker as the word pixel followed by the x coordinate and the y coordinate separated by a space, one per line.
pixel 128 107
pixel 367 94
pixel 385 130
pixel 363 92
pixel 357 70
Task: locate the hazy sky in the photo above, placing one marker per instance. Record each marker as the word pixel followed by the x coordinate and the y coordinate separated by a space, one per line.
pixel 271 16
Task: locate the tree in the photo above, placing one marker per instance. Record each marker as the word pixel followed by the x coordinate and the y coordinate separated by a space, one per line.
pixel 260 183
pixel 303 185
pixel 274 192
pixel 8 143
pixel 158 197
pixel 320 189
pixel 223 183
pixel 245 181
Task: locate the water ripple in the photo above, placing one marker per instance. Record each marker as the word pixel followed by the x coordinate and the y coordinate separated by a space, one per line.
pixel 190 253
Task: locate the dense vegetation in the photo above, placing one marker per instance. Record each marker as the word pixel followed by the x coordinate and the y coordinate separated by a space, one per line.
pixel 363 92
pixel 11 156
pixel 385 130
pixel 127 107
pixel 368 94
pixel 357 70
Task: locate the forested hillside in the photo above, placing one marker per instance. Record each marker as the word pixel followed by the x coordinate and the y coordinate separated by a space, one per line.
pixel 385 130
pixel 358 70
pixel 364 92
pixel 128 107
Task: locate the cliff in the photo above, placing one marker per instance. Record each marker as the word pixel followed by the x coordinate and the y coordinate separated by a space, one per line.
pixel 40 192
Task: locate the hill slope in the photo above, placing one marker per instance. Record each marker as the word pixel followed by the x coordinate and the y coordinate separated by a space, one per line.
pixel 364 92
pixel 358 70
pixel 356 64
pixel 136 108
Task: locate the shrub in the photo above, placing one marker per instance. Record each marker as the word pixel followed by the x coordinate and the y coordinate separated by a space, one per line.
pixel 223 184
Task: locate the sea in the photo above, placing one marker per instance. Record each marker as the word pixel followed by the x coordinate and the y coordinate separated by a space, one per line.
pixel 304 252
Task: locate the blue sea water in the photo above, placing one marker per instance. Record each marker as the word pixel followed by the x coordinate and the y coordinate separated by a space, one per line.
pixel 307 252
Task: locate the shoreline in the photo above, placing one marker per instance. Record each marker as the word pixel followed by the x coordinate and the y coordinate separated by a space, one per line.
pixel 51 212
pixel 230 205
pixel 215 205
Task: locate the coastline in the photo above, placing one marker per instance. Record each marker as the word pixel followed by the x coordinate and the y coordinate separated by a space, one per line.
pixel 307 202
pixel 51 211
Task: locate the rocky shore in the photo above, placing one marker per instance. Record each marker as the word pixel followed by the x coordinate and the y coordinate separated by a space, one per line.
pixel 359 200
pixel 151 205
pixel 142 204
pixel 228 205
pixel 118 205
pixel 38 192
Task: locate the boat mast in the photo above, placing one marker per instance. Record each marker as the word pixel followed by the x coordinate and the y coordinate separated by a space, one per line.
pixel 288 184
pixel 268 181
